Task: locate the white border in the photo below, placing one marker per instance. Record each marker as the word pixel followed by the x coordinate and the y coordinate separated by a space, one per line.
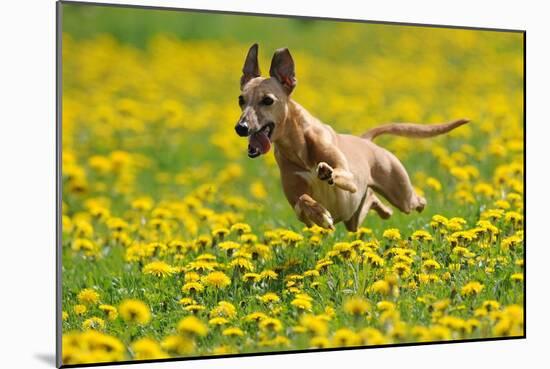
pixel 27 193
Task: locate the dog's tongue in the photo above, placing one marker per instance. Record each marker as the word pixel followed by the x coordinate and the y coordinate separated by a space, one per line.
pixel 260 142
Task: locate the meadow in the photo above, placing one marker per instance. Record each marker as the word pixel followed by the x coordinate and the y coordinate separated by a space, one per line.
pixel 176 244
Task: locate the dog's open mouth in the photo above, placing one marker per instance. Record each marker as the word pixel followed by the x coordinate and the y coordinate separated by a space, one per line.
pixel 260 141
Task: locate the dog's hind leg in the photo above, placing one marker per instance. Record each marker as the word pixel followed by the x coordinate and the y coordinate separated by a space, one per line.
pixel 390 179
pixel 381 209
pixel 370 201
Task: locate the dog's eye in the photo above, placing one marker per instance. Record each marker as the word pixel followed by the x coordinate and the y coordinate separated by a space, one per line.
pixel 267 100
pixel 241 100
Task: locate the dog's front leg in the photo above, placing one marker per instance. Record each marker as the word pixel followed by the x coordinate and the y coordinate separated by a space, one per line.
pixel 297 190
pixel 339 177
pixel 311 212
pixel 330 162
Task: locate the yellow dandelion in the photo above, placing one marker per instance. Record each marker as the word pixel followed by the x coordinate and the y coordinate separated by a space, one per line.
pixel 271 324
pixel 356 306
pixel 392 234
pixel 94 323
pixel 191 326
pixel 251 277
pixel 192 287
pixel 224 309
pixel 517 277
pixel 269 298
pixel 381 287
pixel 110 311
pixel 147 349
pixel 319 342
pixel 345 337
pixel 178 344
pixel 431 265
pixel 80 309
pixel 471 288
pixel 134 311
pixel 88 296
pixel 421 235
pixel 217 280
pixel 233 332
pixel 187 301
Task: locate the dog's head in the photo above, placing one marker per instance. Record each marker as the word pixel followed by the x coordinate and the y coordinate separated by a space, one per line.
pixel 264 101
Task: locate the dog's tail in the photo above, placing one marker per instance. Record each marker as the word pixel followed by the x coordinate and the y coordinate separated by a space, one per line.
pixel 413 130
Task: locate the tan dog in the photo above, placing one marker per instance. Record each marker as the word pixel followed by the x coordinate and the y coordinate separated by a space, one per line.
pixel 327 177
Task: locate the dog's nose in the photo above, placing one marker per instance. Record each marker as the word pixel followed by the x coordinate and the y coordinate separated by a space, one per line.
pixel 242 129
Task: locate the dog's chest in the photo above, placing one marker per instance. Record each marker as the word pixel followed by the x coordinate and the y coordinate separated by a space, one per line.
pixel 339 203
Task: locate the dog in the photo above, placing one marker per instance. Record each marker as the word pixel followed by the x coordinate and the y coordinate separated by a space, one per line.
pixel 326 177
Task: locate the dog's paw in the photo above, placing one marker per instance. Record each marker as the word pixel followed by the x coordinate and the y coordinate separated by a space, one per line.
pixel 312 212
pixel 324 172
pixel 328 222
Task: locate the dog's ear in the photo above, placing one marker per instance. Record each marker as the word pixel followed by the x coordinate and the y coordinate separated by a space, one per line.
pixel 282 69
pixel 251 69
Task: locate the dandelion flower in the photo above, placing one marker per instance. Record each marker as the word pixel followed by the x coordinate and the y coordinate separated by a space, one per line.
pixel 178 344
pixel 134 311
pixel 255 317
pixel 224 309
pixel 301 304
pixel 93 323
pixel 191 326
pixel 356 306
pixel 88 296
pixel 421 235
pixel 271 324
pixel 80 309
pixel 431 265
pixel 220 232
pixel 269 274
pixel 110 311
pixel 392 234
pixel 434 184
pixel 471 288
pixel 517 277
pixel 345 337
pixel 251 277
pixel 158 269
pixel 314 324
pixel 233 332
pixel 187 301
pixel 241 228
pixel 192 277
pixel 381 287
pixel 147 349
pixel 269 298
pixel 192 287
pixel 194 308
pixel 385 305
pixel 319 342
pixel 217 280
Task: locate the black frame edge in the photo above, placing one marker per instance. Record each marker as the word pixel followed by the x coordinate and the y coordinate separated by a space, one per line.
pixel 58 183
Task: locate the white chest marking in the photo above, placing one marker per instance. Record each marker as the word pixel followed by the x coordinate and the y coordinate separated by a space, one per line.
pixel 309 176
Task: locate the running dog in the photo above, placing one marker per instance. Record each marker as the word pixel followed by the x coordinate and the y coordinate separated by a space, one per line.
pixel 327 177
